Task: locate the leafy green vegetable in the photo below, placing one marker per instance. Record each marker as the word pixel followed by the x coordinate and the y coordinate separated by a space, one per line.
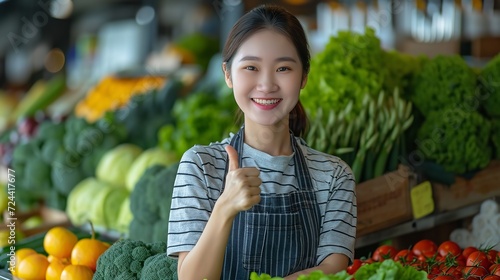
pixel 153 108
pixel 126 258
pixel 116 163
pixel 389 270
pixel 148 158
pixel 159 267
pixel 200 118
pixel 401 71
pixel 150 203
pixel 456 139
pixel 444 81
pixel 495 136
pixel 350 66
pixel 201 46
pixel 489 79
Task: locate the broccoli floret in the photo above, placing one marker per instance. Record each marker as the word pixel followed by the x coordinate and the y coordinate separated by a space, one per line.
pixel 158 247
pixel 140 253
pixel 159 266
pixel 150 203
pixel 125 259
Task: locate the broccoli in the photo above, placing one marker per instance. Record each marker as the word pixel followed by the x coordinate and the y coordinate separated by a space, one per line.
pixel 456 139
pixel 159 266
pixel 150 203
pixel 125 259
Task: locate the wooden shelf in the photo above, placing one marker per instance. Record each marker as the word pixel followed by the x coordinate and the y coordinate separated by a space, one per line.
pixel 422 224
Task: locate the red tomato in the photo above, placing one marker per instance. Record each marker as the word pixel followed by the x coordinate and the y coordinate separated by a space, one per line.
pixel 425 248
pixel 491 277
pixel 404 256
pixel 455 271
pixel 444 277
pixel 384 252
pixel 354 266
pixel 467 251
pixel 479 259
pixel 474 272
pixel 495 269
pixel 460 260
pixel 449 248
pixel 492 255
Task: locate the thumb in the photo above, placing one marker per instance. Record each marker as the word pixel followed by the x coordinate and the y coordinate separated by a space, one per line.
pixel 232 155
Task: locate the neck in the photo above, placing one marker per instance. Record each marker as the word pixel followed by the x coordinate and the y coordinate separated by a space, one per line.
pixel 273 140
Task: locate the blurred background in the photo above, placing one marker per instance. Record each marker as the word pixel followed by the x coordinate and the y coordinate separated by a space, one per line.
pixel 88 39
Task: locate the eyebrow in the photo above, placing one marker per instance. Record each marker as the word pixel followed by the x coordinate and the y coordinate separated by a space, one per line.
pixel 279 59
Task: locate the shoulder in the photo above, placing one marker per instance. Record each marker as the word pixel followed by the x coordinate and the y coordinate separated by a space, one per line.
pixel 212 152
pixel 326 162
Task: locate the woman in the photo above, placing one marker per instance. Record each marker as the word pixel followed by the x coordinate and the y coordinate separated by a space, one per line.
pixel 262 200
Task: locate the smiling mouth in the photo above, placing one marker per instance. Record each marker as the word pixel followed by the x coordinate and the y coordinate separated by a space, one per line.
pixel 266 101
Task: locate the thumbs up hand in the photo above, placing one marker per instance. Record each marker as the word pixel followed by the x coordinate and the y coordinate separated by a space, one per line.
pixel 242 189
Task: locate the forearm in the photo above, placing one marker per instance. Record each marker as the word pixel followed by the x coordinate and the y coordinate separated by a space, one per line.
pixel 206 259
pixel 332 264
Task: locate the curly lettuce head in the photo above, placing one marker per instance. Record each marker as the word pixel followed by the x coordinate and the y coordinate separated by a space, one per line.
pixel 445 80
pixel 456 139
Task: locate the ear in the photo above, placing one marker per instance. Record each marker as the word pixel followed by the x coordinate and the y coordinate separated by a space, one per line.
pixel 227 75
pixel 304 82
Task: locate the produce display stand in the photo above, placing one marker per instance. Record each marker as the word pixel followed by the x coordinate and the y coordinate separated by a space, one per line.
pixel 384 201
pixel 413 226
pixel 393 215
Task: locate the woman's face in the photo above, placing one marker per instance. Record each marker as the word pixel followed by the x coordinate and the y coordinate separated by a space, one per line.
pixel 266 77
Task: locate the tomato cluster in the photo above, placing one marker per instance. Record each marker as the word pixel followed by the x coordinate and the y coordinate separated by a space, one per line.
pixel 444 262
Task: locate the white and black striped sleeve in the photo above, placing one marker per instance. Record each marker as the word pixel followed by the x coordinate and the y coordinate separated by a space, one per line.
pixel 338 232
pixel 191 205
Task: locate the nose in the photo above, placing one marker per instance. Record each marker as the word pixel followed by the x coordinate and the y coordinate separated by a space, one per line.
pixel 267 82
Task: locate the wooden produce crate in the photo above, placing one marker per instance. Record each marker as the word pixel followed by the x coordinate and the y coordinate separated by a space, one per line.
pixel 485 184
pixel 384 201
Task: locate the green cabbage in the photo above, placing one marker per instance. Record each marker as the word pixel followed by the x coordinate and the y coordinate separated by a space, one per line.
pixel 147 159
pixel 115 164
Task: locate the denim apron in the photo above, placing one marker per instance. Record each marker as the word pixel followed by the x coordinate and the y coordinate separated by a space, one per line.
pixel 278 236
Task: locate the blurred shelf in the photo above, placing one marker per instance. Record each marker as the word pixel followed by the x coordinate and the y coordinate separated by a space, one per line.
pixel 422 224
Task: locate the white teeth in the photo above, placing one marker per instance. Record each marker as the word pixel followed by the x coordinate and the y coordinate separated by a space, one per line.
pixel 266 101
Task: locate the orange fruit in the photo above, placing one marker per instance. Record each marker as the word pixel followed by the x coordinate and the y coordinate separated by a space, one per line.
pixel 51 259
pixel 20 255
pixel 33 267
pixel 87 251
pixel 55 269
pixel 59 242
pixel 76 272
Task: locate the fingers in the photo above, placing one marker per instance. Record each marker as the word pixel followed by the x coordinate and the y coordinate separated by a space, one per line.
pixel 232 157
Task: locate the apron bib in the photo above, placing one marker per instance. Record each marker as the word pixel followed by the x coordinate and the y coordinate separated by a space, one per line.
pixel 278 236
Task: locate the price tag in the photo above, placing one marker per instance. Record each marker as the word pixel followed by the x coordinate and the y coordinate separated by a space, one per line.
pixel 421 200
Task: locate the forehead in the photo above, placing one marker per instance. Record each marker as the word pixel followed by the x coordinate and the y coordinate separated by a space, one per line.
pixel 267 43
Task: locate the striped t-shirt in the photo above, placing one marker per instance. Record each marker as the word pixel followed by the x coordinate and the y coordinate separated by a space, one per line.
pixel 199 182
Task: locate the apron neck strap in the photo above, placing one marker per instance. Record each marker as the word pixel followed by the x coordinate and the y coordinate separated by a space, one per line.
pixel 301 169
